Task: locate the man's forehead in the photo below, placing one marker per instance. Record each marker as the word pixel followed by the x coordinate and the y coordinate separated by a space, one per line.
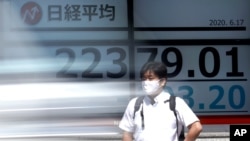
pixel 150 73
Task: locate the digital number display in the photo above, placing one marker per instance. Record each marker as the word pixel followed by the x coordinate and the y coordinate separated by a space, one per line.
pixel 94 58
pixel 204 44
pixel 72 62
pixel 212 62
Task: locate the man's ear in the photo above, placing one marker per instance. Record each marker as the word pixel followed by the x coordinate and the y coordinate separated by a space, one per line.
pixel 163 82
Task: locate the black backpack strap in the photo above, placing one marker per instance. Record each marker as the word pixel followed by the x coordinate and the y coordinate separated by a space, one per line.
pixel 137 105
pixel 172 108
pixel 172 105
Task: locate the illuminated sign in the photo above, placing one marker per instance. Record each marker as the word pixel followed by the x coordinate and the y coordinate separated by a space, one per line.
pixel 205 45
pixel 56 20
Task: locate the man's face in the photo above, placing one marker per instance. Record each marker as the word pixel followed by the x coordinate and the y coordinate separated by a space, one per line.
pixel 152 84
pixel 151 76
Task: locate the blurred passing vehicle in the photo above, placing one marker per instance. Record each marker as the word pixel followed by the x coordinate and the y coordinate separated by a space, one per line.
pixel 61 108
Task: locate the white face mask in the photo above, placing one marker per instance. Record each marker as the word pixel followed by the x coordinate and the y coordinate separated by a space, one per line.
pixel 150 87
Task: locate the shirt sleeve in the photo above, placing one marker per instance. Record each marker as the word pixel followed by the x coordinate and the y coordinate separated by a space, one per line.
pixel 127 121
pixel 185 112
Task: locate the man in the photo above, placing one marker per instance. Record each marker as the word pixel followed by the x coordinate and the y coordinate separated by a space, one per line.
pixel 154 121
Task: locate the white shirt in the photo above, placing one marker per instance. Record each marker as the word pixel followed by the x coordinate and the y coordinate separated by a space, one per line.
pixel 159 120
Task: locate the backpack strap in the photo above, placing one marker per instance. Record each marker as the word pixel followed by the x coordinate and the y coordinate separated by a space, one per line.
pixel 137 106
pixel 172 102
pixel 172 105
pixel 138 103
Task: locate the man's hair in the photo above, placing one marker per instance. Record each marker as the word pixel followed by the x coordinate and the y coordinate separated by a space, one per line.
pixel 158 68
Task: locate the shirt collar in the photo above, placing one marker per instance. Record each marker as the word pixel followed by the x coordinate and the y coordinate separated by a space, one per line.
pixel 163 96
